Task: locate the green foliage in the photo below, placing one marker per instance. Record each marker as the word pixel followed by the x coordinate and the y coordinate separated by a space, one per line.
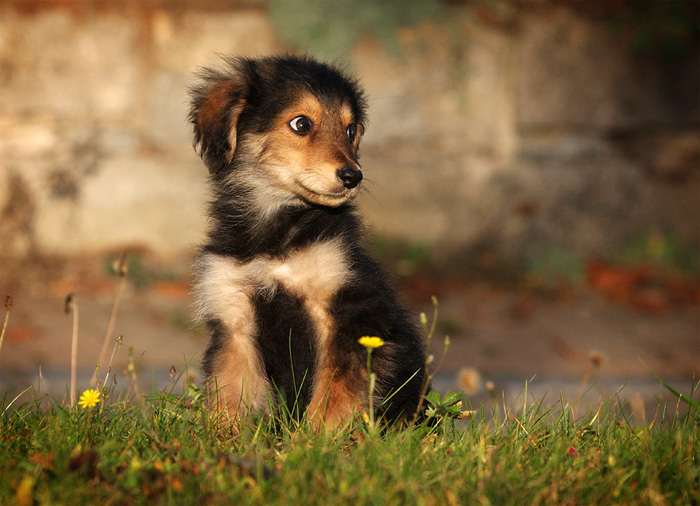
pixel 329 28
pixel 169 449
pixel 129 264
pixel 665 252
pixel 141 271
pixel 690 401
pixel 443 410
pixel 553 267
pixel 406 258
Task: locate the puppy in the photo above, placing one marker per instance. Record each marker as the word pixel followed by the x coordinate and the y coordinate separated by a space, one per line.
pixel 283 282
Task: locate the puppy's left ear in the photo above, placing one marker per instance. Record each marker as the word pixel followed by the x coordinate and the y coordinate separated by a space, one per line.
pixel 216 106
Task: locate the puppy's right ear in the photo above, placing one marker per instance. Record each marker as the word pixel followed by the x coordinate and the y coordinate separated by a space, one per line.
pixel 216 105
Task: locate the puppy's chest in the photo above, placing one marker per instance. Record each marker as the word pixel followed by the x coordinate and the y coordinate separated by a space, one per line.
pixel 313 275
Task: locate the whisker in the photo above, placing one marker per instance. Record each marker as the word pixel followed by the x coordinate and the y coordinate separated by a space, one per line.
pixel 366 190
pixel 374 183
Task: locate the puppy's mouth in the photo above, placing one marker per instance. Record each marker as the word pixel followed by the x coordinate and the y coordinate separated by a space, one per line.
pixel 327 197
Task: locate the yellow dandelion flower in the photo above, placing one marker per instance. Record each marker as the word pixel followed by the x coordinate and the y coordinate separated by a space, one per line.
pixel 89 398
pixel 371 342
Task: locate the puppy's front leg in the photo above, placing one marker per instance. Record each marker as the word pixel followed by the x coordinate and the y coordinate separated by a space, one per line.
pixel 238 381
pixel 336 398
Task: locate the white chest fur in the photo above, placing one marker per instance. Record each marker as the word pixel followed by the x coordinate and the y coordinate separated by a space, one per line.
pixel 314 274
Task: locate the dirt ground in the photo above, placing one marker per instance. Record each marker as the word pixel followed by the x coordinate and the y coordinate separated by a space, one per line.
pixel 498 335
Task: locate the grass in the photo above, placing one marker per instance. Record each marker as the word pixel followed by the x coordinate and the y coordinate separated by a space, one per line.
pixel 170 449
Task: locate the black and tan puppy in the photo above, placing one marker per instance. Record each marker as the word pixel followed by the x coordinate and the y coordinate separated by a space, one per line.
pixel 283 282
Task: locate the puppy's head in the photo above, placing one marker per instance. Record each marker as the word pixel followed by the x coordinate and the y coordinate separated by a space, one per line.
pixel 289 124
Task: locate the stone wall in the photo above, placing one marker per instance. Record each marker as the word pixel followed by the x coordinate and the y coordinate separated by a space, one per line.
pixel 544 131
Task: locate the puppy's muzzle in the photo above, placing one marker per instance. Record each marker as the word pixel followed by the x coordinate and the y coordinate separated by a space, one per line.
pixel 349 176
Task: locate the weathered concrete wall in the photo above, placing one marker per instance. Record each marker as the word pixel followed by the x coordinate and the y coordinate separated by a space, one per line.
pixel 94 146
pixel 544 132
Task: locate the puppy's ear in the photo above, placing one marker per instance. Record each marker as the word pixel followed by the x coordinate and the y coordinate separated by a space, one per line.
pixel 216 106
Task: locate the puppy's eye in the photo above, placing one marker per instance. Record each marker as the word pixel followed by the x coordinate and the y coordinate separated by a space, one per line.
pixel 301 125
pixel 351 132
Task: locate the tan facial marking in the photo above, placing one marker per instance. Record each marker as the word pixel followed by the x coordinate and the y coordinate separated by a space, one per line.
pixel 346 115
pixel 307 165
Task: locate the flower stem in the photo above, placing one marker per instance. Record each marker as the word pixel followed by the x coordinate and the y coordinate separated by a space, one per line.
pixel 8 307
pixel 72 305
pixel 372 379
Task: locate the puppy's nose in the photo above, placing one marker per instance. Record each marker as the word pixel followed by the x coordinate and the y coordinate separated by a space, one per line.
pixel 350 176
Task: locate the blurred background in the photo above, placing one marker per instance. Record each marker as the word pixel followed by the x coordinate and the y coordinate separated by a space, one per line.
pixel 535 165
